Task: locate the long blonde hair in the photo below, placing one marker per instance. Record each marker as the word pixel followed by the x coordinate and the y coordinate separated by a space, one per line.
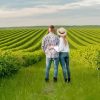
pixel 65 40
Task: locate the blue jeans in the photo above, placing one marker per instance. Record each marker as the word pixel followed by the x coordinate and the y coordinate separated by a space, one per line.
pixel 64 61
pixel 48 65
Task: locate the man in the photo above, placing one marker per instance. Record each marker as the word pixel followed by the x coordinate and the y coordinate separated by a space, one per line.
pixel 51 54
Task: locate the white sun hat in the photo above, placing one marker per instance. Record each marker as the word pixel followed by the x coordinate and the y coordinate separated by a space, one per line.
pixel 61 31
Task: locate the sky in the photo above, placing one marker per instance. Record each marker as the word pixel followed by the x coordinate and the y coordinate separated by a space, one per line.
pixel 47 12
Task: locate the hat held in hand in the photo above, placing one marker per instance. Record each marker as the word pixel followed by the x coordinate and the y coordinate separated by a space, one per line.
pixel 61 31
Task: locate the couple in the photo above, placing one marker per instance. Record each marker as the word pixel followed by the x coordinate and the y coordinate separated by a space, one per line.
pixel 56 49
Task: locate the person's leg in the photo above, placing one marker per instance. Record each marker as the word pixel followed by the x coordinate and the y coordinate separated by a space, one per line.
pixel 56 62
pixel 62 62
pixel 67 67
pixel 48 65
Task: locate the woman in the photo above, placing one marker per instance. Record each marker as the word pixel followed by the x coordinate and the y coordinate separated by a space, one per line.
pixel 63 49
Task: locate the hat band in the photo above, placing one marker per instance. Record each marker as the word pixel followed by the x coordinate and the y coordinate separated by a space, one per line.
pixel 61 32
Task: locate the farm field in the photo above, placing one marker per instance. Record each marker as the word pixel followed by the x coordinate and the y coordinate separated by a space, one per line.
pixel 22 65
pixel 30 39
pixel 29 84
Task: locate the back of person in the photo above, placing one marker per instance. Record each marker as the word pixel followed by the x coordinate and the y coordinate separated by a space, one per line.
pixel 51 39
pixel 64 46
pixel 51 53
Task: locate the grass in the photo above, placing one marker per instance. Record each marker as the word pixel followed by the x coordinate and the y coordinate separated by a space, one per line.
pixel 29 84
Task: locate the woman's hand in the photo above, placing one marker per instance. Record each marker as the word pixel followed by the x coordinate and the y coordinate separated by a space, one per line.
pixel 51 47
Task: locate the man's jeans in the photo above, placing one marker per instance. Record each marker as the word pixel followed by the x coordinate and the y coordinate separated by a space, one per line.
pixel 48 65
pixel 64 61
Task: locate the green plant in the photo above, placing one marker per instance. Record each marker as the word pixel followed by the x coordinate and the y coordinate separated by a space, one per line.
pixel 8 63
pixel 11 62
pixel 29 58
pixel 90 55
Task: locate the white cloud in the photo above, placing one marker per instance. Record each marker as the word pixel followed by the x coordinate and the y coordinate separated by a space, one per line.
pixel 49 21
pixel 81 3
pixel 23 12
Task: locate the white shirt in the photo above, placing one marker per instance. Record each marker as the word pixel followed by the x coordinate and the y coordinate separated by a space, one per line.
pixel 62 47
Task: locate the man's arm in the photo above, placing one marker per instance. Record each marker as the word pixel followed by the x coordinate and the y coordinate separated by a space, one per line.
pixel 43 44
pixel 58 40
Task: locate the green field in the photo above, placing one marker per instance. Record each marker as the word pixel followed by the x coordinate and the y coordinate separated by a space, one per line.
pixel 29 39
pixel 22 65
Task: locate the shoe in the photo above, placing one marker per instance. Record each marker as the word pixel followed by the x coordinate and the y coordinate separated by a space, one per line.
pixel 46 80
pixel 98 68
pixel 68 80
pixel 55 79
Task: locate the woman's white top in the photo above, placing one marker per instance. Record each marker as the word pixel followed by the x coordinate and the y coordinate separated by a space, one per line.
pixel 62 47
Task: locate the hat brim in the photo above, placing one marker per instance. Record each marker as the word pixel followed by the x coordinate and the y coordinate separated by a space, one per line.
pixel 61 33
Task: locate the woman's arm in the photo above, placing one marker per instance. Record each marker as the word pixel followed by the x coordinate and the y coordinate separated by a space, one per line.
pixel 61 45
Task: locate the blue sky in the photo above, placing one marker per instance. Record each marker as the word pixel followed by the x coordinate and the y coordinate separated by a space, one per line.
pixel 46 12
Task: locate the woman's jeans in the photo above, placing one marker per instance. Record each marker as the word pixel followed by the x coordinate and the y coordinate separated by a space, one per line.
pixel 48 65
pixel 64 61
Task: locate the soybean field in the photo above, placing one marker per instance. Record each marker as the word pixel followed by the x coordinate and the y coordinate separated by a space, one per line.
pixel 22 65
pixel 29 40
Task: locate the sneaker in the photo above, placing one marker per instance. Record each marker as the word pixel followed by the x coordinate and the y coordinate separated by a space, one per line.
pixel 46 79
pixel 55 79
pixel 68 80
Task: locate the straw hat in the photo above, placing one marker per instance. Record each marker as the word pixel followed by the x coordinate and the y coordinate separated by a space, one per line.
pixel 61 31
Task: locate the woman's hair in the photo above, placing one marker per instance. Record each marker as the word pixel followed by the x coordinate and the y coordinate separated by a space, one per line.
pixel 65 40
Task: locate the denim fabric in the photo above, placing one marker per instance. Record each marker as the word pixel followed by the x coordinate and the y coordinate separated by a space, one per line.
pixel 48 65
pixel 64 61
